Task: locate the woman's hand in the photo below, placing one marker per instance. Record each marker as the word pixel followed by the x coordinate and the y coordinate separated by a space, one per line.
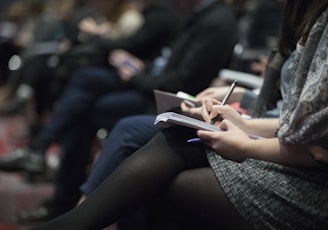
pixel 191 111
pixel 219 93
pixel 229 143
pixel 212 108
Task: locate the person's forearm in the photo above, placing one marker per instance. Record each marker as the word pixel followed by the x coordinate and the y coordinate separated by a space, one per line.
pixel 262 127
pixel 273 150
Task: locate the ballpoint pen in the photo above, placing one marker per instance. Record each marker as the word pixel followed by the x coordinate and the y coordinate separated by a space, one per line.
pixel 217 118
pixel 194 140
pixel 224 101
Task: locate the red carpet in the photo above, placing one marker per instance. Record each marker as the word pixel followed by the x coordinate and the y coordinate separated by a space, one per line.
pixel 15 193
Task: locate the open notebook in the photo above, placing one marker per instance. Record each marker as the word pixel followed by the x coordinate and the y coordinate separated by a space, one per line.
pixel 166 101
pixel 170 118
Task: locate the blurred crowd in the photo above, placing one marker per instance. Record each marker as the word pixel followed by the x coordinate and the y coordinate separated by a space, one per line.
pixel 46 44
pixel 39 40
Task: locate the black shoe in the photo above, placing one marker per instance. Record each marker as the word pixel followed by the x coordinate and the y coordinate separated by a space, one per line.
pixel 43 213
pixel 23 160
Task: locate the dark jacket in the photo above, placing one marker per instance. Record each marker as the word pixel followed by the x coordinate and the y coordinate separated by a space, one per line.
pixel 161 25
pixel 266 22
pixel 203 47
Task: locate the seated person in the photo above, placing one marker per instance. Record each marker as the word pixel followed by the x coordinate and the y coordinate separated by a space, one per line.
pixel 131 133
pixel 229 179
pixel 104 95
pixel 42 78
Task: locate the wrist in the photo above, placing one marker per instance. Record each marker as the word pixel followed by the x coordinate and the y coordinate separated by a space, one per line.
pixel 247 149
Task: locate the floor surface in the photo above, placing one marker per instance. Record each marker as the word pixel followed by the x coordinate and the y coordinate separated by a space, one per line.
pixel 18 192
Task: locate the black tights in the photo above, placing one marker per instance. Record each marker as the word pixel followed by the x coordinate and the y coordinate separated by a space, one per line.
pixel 166 164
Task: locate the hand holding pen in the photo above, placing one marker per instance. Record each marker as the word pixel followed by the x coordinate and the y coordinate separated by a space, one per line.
pixel 224 101
pixel 209 111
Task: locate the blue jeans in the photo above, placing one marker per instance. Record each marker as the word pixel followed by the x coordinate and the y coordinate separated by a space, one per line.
pixel 126 137
pixel 90 89
pixel 94 98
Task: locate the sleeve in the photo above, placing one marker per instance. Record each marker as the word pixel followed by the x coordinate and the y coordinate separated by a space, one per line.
pixel 156 24
pixel 304 116
pixel 202 58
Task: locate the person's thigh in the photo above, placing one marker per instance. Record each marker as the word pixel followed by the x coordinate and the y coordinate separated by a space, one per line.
pixel 197 201
pixel 111 107
pixel 76 156
pixel 128 135
pixel 96 79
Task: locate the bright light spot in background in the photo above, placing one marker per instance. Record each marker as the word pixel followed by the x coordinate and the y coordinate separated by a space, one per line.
pixel 102 134
pixel 238 49
pixel 15 63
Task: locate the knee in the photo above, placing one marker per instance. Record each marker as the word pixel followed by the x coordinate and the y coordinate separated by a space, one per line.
pixel 137 124
pixel 126 123
pixel 190 184
pixel 81 77
pixel 181 184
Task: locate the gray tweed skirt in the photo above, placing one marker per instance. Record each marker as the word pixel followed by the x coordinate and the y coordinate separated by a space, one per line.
pixel 272 196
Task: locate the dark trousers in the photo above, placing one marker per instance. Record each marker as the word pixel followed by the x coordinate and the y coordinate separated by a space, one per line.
pixel 94 98
pixel 91 90
pixel 126 137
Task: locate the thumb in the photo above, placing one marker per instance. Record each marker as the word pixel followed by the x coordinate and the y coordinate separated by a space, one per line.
pixel 226 125
pixel 205 135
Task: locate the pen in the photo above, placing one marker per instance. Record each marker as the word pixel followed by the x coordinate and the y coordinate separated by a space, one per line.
pixel 217 118
pixel 224 101
pixel 194 140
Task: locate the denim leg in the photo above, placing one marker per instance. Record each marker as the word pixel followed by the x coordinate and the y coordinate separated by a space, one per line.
pixel 77 101
pixel 127 136
pixel 75 158
pixel 113 106
pixel 77 141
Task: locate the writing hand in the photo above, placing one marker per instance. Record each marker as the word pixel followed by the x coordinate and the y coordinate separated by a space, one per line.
pixel 195 112
pixel 209 110
pixel 212 108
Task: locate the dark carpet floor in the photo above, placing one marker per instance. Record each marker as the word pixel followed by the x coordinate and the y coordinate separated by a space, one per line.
pixel 17 192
